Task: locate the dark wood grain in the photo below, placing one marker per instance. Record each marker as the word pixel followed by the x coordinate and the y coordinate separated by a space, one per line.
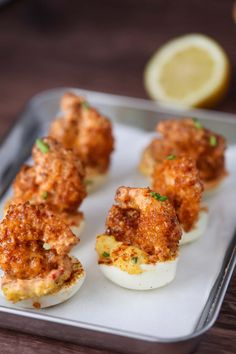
pixel 102 45
pixel 15 342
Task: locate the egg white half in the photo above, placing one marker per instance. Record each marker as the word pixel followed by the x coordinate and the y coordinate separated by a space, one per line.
pixel 153 276
pixel 77 229
pixel 94 182
pixel 64 294
pixel 198 230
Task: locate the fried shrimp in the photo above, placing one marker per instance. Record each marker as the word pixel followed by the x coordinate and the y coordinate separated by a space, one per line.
pixel 141 220
pixel 60 174
pixel 179 179
pixel 85 131
pixel 24 186
pixel 154 153
pixel 204 146
pixel 34 246
pixel 24 232
pixel 188 137
pixel 56 178
pixel 139 249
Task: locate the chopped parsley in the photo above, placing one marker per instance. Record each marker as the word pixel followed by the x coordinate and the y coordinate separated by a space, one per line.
pixel 106 254
pixel 159 197
pixel 197 124
pixel 171 157
pixel 43 147
pixel 213 140
pixel 134 260
pixel 44 195
pixel 46 246
pixel 85 105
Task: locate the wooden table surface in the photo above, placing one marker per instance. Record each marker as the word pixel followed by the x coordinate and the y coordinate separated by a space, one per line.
pixel 102 45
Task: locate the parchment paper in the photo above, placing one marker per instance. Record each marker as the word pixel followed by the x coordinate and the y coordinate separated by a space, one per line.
pixel 168 312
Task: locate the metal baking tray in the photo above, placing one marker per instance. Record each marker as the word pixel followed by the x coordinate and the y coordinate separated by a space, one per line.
pixel 15 149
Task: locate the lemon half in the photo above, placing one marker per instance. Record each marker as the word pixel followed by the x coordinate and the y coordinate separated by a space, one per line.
pixel 190 71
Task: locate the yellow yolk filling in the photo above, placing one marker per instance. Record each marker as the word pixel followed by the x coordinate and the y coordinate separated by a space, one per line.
pixel 127 258
pixel 20 289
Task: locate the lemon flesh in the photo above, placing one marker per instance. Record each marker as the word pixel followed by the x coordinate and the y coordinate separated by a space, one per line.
pixel 191 71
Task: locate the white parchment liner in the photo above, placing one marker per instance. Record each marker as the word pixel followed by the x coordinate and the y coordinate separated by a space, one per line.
pixel 169 312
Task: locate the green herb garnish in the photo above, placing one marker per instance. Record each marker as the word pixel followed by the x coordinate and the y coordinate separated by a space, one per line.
pixel 44 195
pixel 43 147
pixel 106 254
pixel 171 157
pixel 197 124
pixel 213 140
pixel 163 198
pixel 159 197
pixel 85 105
pixel 134 260
pixel 46 246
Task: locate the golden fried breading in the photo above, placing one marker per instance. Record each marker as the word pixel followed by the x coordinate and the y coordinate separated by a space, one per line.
pixel 179 179
pixel 24 185
pixel 154 153
pixel 24 232
pixel 61 174
pixel 187 136
pixel 55 178
pixel 141 220
pixel 86 131
pixel 71 102
pixel 160 148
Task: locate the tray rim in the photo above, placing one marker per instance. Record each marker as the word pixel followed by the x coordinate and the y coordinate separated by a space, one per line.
pixel 228 264
pixel 140 103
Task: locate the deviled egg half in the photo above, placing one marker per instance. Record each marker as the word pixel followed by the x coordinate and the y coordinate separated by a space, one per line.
pixel 188 137
pixel 139 249
pixel 94 179
pixel 178 178
pixel 56 178
pixel 34 256
pixel 86 131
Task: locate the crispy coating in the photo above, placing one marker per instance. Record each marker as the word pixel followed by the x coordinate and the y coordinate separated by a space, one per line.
pixel 179 180
pixel 25 186
pixel 140 220
pixel 154 153
pixel 56 178
pixel 86 131
pixel 160 149
pixel 184 136
pixel 23 233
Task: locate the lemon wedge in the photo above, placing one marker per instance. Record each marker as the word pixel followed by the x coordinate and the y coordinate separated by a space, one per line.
pixel 189 71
